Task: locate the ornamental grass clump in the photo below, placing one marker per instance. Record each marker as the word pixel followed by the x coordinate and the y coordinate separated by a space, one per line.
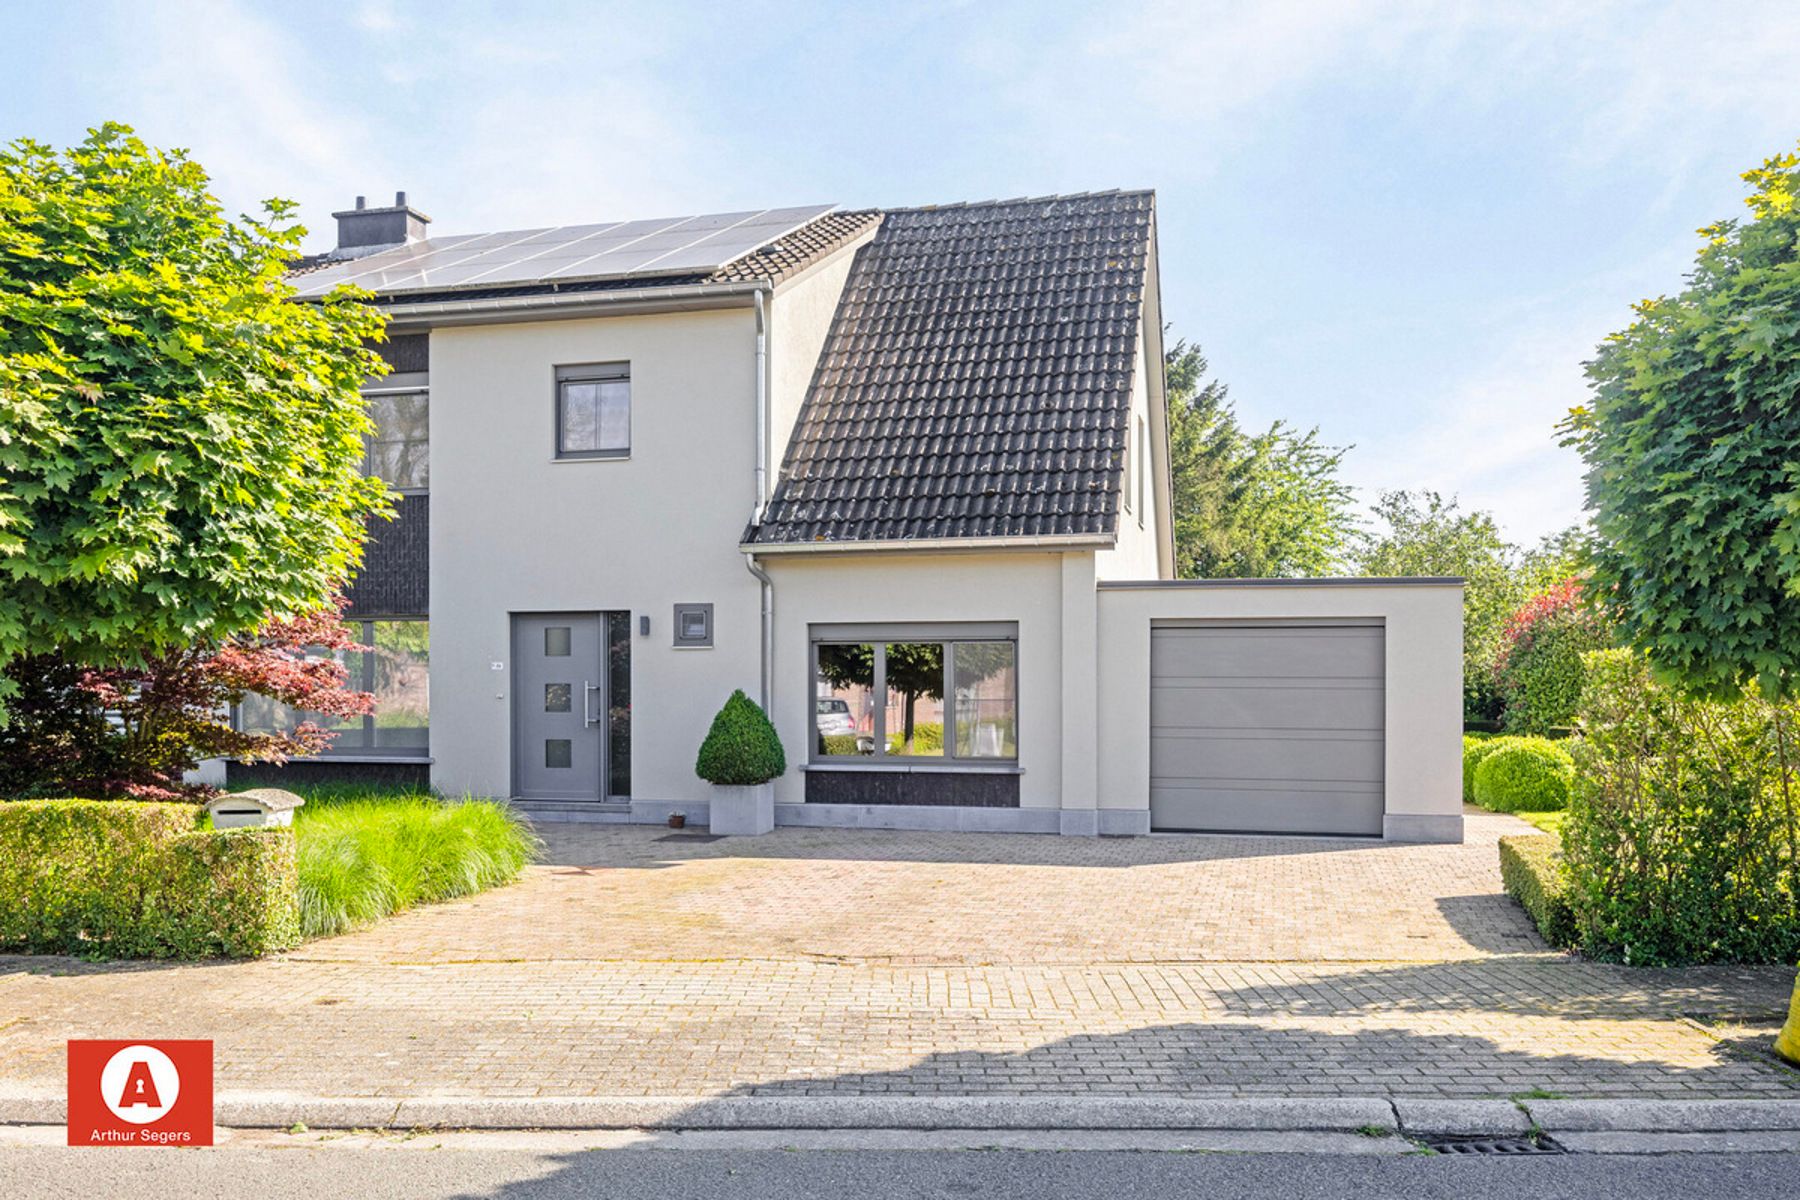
pixel 1524 774
pixel 365 859
pixel 741 749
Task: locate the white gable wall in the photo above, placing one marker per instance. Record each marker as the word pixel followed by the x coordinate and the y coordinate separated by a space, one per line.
pixel 1135 554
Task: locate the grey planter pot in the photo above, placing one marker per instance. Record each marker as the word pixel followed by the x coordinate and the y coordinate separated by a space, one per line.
pixel 743 810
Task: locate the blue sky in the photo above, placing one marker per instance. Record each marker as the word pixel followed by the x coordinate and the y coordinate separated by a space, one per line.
pixel 1406 223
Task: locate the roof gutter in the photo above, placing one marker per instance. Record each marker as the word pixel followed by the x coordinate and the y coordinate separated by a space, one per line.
pixel 967 545
pixel 1306 581
pixel 576 304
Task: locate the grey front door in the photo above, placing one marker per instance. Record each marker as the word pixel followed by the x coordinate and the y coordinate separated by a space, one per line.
pixel 1267 728
pixel 559 706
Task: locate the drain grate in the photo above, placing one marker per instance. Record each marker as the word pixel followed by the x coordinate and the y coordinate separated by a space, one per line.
pixel 691 837
pixel 1505 1147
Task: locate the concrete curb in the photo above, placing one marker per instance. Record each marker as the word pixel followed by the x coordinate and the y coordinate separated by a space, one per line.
pixel 1429 1116
pixel 1424 1116
pixel 274 1111
pixel 1664 1116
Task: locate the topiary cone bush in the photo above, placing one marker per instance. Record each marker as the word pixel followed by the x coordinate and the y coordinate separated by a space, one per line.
pixel 741 749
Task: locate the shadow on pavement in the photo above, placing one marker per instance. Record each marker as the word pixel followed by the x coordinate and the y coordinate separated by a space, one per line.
pixel 1236 1060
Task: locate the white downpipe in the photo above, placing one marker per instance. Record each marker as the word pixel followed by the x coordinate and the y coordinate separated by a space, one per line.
pixel 762 500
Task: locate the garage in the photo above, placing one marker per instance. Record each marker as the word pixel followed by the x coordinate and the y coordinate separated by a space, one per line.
pixel 1268 726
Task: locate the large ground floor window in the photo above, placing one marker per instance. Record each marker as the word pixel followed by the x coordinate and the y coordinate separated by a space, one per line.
pixel 395 665
pixel 902 693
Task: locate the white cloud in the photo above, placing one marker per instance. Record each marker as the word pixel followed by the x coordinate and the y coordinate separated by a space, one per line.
pixel 376 17
pixel 227 84
pixel 1490 438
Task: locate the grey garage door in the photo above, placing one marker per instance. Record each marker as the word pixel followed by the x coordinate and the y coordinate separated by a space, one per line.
pixel 1267 728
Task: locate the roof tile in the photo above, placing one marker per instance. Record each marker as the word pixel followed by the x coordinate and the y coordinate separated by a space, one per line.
pixel 976 381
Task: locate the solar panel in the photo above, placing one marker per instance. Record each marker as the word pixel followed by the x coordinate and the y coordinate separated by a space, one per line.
pixel 613 250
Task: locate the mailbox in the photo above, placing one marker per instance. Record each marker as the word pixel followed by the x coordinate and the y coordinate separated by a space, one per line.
pixel 259 806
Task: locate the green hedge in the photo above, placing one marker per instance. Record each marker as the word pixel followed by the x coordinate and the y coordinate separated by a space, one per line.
pixel 1524 774
pixel 118 879
pixel 928 738
pixel 838 743
pixel 1681 835
pixel 1476 746
pixel 1531 869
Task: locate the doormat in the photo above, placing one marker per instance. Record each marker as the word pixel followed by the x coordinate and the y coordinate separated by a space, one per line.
pixel 691 837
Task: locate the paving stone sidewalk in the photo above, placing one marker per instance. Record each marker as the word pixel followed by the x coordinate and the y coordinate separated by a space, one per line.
pixel 1056 966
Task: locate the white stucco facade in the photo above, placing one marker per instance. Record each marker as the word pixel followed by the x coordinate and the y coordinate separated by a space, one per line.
pixel 516 531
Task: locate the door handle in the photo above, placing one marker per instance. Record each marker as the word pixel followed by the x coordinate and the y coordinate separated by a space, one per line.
pixel 587 717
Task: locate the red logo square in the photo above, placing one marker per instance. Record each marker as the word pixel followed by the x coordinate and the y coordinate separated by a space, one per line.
pixel 154 1093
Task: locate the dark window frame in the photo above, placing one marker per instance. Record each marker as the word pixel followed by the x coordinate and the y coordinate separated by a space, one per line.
pixel 612 372
pixel 879 637
pixel 681 640
pixel 416 384
pixel 365 636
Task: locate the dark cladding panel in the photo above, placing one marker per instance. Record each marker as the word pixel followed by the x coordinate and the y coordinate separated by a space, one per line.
pixel 395 576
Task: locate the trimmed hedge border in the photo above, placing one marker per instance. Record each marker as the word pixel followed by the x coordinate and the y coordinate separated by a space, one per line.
pixel 1531 870
pixel 122 879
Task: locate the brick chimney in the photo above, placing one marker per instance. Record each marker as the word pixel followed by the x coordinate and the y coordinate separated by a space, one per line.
pixel 364 230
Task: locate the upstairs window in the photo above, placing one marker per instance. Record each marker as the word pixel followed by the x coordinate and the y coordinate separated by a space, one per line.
pixel 593 411
pixel 400 448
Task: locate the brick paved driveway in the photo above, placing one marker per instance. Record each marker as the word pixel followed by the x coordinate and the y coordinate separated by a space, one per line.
pixel 645 894
pixel 837 961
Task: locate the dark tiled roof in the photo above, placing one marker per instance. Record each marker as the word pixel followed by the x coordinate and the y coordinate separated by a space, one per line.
pixel 306 264
pixel 798 250
pixel 976 382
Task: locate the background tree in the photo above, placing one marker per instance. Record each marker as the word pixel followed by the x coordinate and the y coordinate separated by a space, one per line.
pixel 180 441
pixel 1421 533
pixel 1247 505
pixel 1538 671
pixel 1692 444
pixel 133 731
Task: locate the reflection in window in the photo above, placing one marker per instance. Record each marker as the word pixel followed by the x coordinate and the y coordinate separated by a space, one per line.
pixel 400 448
pixel 400 667
pixel 915 699
pixel 844 700
pixel 618 704
pixel 558 697
pixel 888 699
pixel 593 411
pixel 393 663
pixel 985 691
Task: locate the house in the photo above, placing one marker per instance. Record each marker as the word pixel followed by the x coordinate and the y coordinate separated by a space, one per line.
pixel 903 476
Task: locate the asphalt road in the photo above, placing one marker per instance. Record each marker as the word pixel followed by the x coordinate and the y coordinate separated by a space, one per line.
pixel 27 1173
